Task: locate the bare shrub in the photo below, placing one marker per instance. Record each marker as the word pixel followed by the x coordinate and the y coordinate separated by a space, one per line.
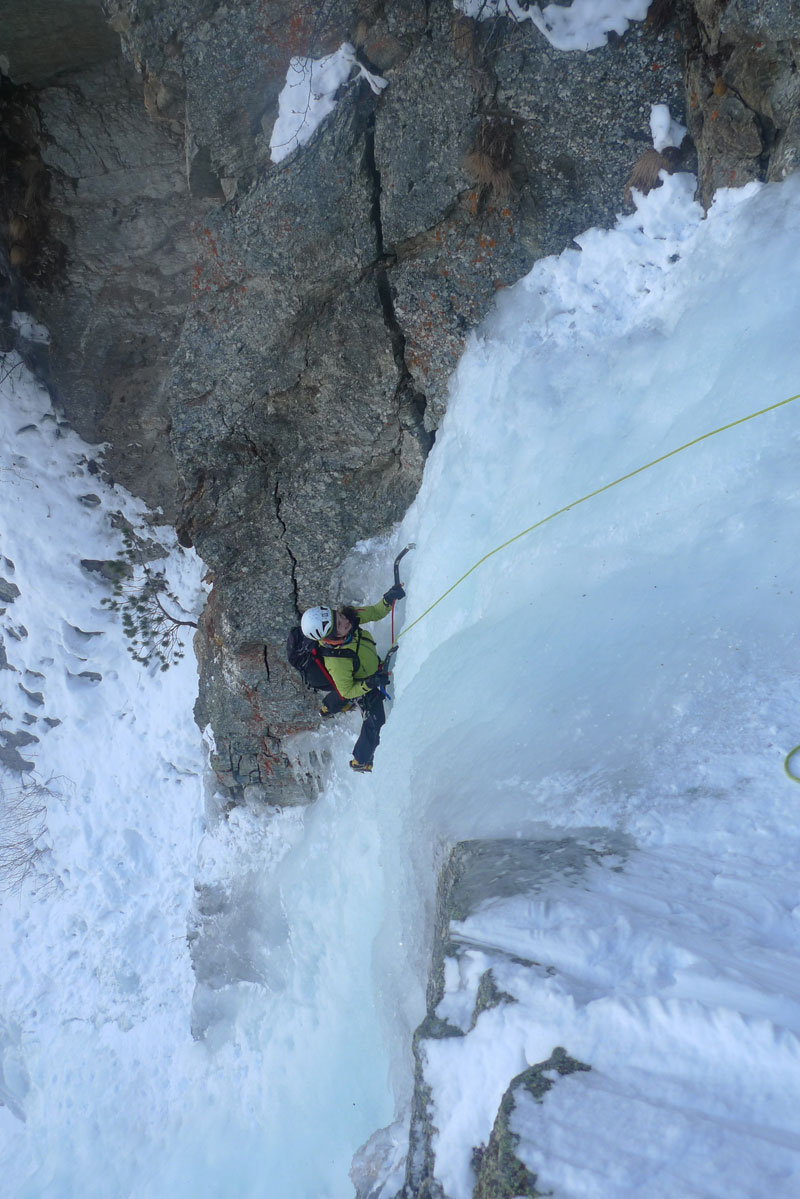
pixel 489 161
pixel 645 174
pixel 486 174
pixel 153 631
pixel 659 15
pixel 23 813
pixel 7 371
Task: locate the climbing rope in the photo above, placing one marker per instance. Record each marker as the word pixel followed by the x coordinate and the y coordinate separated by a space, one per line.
pixel 599 491
pixel 786 761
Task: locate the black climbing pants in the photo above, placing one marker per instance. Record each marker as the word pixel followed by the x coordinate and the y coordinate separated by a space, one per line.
pixel 371 705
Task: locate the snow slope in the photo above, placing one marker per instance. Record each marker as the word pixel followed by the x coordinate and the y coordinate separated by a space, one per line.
pixel 625 671
pixel 96 979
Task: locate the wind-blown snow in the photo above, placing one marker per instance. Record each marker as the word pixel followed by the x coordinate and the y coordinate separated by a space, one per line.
pixel 28 328
pixel 310 95
pixel 96 976
pixel 624 676
pixel 581 25
pixel 664 129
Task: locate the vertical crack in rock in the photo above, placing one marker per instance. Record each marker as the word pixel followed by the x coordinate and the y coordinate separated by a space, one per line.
pixel 767 130
pixel 411 403
pixel 292 559
pixel 32 254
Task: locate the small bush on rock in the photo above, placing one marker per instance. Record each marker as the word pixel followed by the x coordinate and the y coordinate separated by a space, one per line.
pixel 489 161
pixel 141 594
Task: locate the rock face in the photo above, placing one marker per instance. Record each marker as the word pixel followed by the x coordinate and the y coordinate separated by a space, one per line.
pixel 335 292
pixel 500 1173
pixel 266 347
pixel 99 224
pixel 743 91
pixel 477 872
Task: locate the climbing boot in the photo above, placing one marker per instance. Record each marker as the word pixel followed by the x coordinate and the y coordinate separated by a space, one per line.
pixel 361 767
pixel 344 708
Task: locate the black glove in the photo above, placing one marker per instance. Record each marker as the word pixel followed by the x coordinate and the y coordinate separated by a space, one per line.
pixel 395 592
pixel 379 679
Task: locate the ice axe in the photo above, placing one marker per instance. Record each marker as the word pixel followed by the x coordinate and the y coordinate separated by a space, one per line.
pixel 411 546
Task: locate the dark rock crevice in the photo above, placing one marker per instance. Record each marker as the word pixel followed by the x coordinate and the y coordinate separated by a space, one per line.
pixel 34 256
pixel 292 559
pixel 104 262
pixel 411 403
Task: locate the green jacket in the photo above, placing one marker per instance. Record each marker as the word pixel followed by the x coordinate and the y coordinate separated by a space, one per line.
pixel 348 672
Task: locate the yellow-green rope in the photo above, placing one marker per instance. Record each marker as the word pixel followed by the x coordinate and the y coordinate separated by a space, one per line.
pixel 786 761
pixel 606 487
pixel 591 495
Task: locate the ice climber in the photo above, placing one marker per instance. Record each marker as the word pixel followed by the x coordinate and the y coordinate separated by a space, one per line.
pixel 350 659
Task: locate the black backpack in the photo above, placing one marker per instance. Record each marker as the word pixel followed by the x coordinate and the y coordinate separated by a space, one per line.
pixel 305 656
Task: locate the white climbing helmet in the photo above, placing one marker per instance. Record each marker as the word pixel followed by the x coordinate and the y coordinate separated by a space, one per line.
pixel 317 623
